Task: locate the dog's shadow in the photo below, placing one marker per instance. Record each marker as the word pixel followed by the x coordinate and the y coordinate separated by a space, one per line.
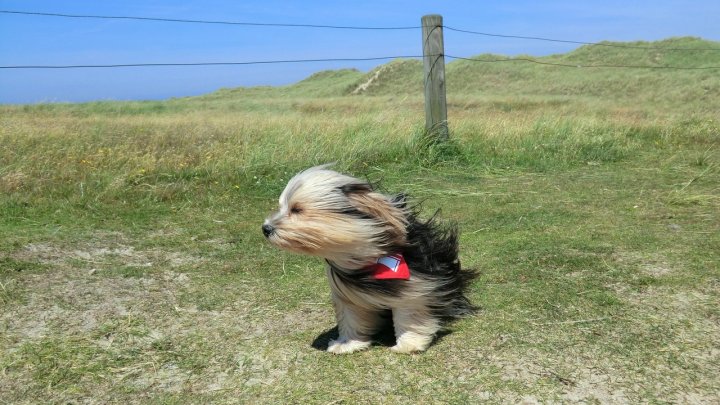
pixel 385 337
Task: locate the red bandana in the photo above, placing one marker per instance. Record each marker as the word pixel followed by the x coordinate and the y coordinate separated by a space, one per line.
pixel 390 267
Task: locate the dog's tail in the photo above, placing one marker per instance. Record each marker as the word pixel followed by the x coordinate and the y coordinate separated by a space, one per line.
pixel 433 253
pixel 461 306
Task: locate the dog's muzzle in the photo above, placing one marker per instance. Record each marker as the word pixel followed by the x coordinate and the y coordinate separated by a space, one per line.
pixel 267 230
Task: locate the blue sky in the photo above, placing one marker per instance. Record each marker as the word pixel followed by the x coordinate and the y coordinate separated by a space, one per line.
pixel 28 40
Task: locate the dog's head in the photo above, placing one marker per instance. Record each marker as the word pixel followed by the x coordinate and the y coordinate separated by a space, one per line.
pixel 340 218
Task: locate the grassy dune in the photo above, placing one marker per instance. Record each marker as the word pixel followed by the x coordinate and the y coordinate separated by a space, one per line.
pixel 132 268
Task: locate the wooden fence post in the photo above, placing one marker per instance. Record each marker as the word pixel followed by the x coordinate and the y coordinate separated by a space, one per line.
pixel 434 71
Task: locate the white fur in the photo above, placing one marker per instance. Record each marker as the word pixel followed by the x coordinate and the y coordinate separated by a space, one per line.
pixel 358 317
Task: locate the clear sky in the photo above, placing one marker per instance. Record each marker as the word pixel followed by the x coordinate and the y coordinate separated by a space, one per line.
pixel 27 40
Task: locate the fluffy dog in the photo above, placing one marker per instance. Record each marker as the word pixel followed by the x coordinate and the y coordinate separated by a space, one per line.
pixel 380 258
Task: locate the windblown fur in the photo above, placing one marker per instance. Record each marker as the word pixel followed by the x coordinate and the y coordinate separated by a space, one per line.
pixel 345 221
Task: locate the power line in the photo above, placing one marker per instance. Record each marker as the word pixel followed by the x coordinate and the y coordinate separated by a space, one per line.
pixel 245 23
pixel 267 62
pixel 108 17
pixel 263 62
pixel 347 59
pixel 487 34
pixel 584 66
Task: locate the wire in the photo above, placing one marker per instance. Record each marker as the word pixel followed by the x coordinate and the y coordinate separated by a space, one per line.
pixel 266 62
pixel 347 59
pixel 123 65
pixel 583 66
pixel 244 23
pixel 108 17
pixel 579 42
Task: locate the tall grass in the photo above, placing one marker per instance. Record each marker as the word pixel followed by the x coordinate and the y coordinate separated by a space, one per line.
pixel 98 152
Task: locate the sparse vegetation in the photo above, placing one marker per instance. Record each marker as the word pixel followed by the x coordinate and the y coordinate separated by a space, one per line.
pixel 133 269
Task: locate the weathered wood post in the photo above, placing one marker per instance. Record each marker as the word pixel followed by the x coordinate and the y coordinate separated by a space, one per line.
pixel 434 71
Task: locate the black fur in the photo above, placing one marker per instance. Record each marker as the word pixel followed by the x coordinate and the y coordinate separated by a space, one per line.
pixel 356 188
pixel 354 212
pixel 431 253
pixel 363 280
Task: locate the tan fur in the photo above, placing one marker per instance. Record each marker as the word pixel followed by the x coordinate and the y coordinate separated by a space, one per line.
pixel 378 205
pixel 319 231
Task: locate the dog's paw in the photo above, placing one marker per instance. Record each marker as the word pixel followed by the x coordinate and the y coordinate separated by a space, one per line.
pixel 411 343
pixel 345 346
pixel 407 349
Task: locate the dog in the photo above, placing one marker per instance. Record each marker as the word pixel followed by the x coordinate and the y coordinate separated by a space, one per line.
pixel 381 259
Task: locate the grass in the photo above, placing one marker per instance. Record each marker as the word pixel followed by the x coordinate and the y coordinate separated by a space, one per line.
pixel 132 267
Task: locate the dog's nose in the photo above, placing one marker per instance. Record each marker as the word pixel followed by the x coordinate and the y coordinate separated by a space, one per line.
pixel 267 229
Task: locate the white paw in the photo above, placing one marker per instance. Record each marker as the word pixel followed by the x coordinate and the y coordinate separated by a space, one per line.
pixel 345 346
pixel 406 349
pixel 411 343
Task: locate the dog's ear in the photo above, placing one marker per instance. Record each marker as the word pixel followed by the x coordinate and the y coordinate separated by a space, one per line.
pixel 389 213
pixel 355 188
pixel 400 200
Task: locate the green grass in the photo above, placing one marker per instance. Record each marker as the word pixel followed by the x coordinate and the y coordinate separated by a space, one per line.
pixel 132 267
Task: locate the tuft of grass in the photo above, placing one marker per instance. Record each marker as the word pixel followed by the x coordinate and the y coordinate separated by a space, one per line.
pixel 59 364
pixel 426 149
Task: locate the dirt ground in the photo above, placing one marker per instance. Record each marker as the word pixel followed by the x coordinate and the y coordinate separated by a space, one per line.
pixel 82 331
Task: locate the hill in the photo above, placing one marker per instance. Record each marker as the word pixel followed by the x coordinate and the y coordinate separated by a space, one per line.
pixel 327 83
pixel 490 75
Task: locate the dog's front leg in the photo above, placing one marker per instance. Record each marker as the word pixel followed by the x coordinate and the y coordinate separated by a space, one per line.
pixel 415 329
pixel 356 326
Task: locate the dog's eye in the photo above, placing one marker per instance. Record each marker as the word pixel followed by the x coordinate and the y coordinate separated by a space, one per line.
pixel 295 210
